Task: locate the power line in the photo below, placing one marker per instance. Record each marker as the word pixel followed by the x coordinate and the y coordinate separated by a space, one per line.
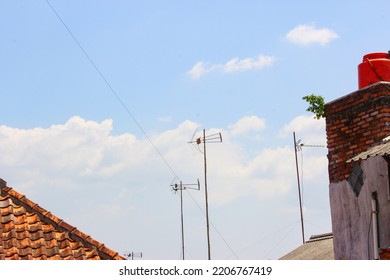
pixel 214 227
pixel 315 225
pixel 112 89
pixel 126 108
pixel 281 240
pixel 266 237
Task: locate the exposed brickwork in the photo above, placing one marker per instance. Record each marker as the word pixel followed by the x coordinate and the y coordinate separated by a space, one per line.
pixel 354 123
pixel 384 254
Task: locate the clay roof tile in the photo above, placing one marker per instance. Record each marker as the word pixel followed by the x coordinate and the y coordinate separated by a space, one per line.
pixel 28 231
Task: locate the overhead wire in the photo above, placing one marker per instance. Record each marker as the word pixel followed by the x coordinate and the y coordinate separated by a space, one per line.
pixel 281 240
pixel 266 237
pixel 214 227
pixel 112 90
pixel 124 106
pixel 317 226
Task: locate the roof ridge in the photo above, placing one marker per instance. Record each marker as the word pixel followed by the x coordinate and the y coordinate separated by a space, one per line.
pixel 320 237
pixel 58 223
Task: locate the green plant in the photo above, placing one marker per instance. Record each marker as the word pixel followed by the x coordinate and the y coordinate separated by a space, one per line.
pixel 317 105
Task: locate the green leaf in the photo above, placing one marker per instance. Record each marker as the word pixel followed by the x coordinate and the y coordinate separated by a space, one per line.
pixel 317 105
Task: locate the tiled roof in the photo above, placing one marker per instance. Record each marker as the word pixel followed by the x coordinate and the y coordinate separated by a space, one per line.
pixel 29 232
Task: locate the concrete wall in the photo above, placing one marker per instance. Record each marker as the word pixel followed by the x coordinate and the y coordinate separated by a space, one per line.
pixel 351 215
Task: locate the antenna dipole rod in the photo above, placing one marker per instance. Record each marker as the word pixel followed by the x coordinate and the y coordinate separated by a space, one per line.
pixel 299 188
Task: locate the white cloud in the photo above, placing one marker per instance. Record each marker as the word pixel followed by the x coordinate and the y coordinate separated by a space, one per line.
pixel 236 64
pixel 86 154
pixel 246 125
pixel 307 34
pixel 199 69
pixel 307 128
pixel 110 178
pixel 312 134
pixel 267 175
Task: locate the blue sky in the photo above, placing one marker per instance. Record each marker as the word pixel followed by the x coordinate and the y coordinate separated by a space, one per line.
pixel 103 158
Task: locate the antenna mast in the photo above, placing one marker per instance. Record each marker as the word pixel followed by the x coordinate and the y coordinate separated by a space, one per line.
pixel 213 138
pixel 180 187
pixel 297 147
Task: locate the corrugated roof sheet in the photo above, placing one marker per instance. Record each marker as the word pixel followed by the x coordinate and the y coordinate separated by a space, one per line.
pixel 318 247
pixel 382 149
pixel 30 232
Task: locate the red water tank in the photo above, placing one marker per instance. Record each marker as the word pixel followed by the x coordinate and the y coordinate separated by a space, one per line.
pixel 374 68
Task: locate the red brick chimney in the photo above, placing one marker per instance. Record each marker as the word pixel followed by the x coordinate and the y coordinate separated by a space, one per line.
pixel 354 123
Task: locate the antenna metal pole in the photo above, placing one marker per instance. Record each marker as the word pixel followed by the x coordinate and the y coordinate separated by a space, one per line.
pixel 182 219
pixel 299 188
pixel 180 187
pixel 214 138
pixel 206 196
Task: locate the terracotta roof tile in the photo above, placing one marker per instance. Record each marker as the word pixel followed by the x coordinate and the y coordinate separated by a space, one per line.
pixel 30 232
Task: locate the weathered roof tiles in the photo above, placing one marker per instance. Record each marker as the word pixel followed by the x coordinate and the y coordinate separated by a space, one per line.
pixel 30 232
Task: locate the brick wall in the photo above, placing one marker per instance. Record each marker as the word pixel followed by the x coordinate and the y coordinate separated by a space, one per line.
pixel 384 254
pixel 354 123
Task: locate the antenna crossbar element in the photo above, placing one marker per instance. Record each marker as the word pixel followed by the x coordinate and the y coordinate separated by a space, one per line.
pixel 205 139
pixel 180 187
pixel 312 146
pixel 212 138
pixel 133 255
pixel 298 146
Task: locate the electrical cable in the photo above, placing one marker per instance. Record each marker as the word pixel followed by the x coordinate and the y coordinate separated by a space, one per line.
pixel 112 90
pixel 214 227
pixel 281 240
pixel 127 110
pixel 319 227
pixel 266 237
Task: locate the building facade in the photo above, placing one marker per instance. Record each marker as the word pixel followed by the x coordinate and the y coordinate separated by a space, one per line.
pixel 356 125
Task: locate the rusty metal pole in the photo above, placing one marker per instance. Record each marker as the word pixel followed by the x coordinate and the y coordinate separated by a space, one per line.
pixel 299 189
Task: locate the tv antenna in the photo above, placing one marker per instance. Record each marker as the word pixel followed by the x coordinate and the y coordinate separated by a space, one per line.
pixel 133 255
pixel 180 187
pixel 212 138
pixel 298 145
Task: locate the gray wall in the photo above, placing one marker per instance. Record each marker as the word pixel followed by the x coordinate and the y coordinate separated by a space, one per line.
pixel 351 215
